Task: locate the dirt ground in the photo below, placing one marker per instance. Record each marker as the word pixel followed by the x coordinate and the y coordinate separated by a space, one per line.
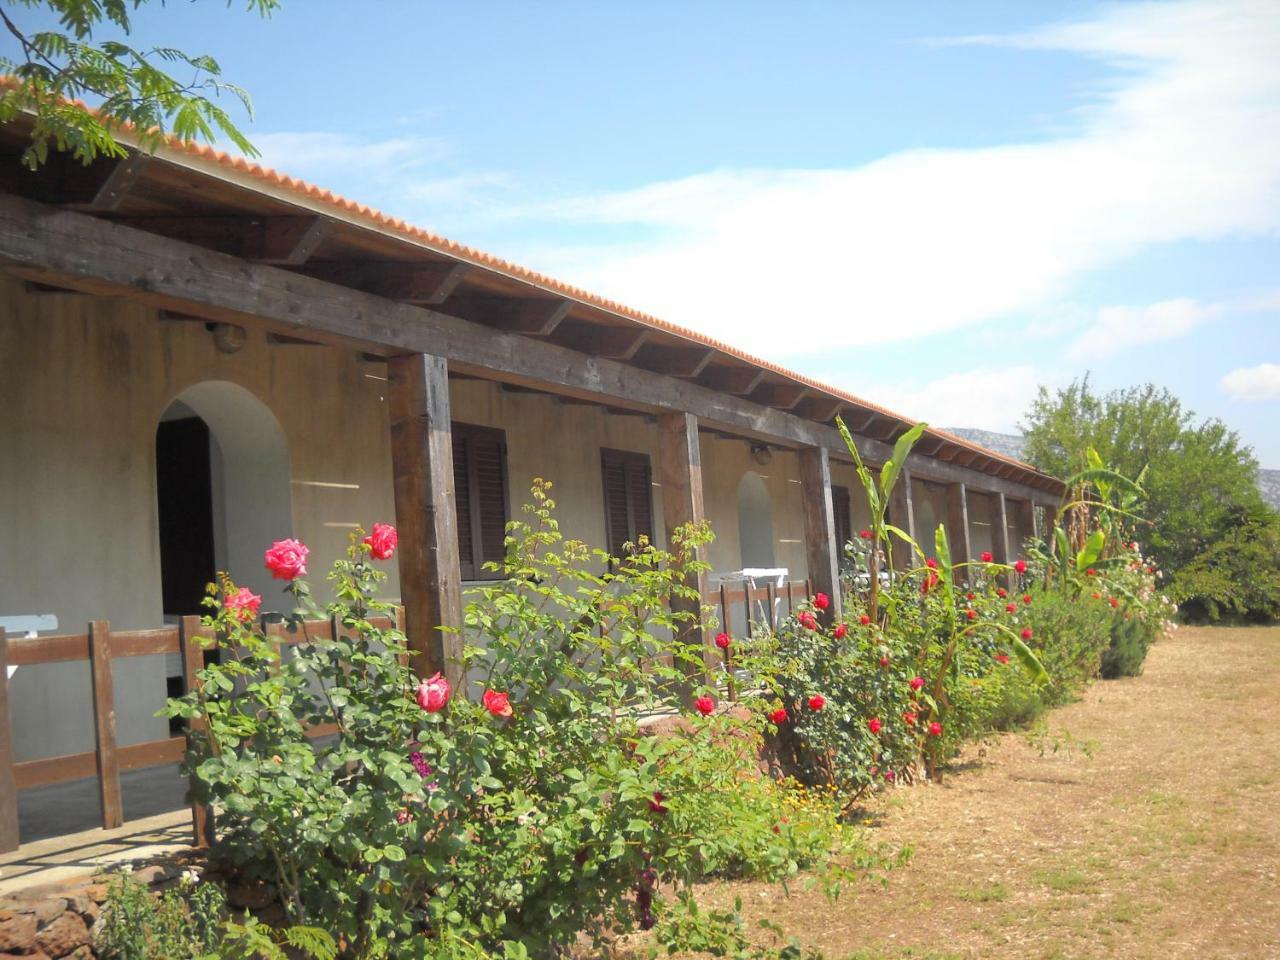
pixel 1159 837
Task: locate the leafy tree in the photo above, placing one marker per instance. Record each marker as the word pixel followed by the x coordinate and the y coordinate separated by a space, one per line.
pixel 124 84
pixel 1201 485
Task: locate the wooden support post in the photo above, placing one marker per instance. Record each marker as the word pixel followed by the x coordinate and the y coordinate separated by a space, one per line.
pixel 958 528
pixel 680 467
pixel 820 527
pixel 104 724
pixel 902 514
pixel 1024 512
pixel 422 466
pixel 8 786
pixel 202 823
pixel 1000 535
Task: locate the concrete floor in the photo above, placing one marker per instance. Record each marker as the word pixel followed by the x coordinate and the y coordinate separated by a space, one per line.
pixel 73 807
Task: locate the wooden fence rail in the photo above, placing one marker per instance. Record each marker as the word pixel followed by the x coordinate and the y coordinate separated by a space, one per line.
pixel 100 646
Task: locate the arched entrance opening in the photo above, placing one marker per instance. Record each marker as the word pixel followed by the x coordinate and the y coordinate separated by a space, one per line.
pixel 222 490
pixel 755 522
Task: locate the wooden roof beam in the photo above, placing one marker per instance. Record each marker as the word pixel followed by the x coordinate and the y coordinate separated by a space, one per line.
pixel 780 396
pixel 821 408
pixel 115 187
pixel 412 281
pixel 535 317
pixel 606 342
pixel 284 240
pixel 739 381
pixel 675 361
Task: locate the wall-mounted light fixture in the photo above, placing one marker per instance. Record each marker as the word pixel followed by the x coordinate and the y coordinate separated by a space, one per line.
pixel 761 454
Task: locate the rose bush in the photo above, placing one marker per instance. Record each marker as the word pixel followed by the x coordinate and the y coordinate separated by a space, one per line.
pixel 430 824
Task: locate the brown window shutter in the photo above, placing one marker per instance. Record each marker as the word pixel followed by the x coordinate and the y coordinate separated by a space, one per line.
pixel 843 517
pixel 480 490
pixel 628 498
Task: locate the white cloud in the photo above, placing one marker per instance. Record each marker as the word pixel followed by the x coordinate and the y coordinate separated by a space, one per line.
pixel 322 156
pixel 1184 143
pixel 1253 383
pixel 1118 328
pixel 993 398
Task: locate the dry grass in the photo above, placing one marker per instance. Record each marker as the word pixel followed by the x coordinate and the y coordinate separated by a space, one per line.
pixel 1163 843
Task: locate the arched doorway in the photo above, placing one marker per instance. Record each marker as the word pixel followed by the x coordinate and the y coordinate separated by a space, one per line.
pixel 755 522
pixel 222 490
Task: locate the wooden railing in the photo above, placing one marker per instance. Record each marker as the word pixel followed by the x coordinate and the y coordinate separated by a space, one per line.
pixel 740 610
pixel 100 646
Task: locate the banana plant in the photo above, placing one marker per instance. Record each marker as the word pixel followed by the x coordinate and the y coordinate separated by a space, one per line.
pixel 878 492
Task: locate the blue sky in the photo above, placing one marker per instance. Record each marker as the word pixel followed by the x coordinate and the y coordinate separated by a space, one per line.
pixel 938 206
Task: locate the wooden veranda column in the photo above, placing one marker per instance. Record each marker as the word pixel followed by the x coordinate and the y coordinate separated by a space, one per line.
pixel 422 466
pixel 1000 536
pixel 680 470
pixel 822 551
pixel 8 786
pixel 1024 512
pixel 958 528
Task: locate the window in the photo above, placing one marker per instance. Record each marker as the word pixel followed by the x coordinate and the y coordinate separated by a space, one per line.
pixel 628 504
pixel 480 491
pixel 843 517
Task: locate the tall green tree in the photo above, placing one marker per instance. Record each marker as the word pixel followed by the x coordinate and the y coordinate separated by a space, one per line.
pixel 90 58
pixel 1202 481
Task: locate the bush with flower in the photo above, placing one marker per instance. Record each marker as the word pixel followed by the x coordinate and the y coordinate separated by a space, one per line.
pixel 434 824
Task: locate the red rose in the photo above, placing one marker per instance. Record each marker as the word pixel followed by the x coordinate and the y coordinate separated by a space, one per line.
pixel 840 631
pixel 656 805
pixel 1026 598
pixel 778 716
pixel 971 596
pixel 864 620
pixel 806 620
pixel 971 613
pixel 917 683
pixel 888 775
pixel 1096 595
pixel 874 724
pixel 722 641
pixel 1026 633
pixel 382 542
pixel 987 556
pixel 497 703
pixel 1091 572
pixel 930 581
pixel 821 601
pixel 864 534
pixel 884 661
pixel 243 604
pixel 1002 593
pixel 1002 658
pixel 935 729
pixel 434 693
pixel 817 702
pixel 705 706
pixel 1114 602
pixel 931 563
pixel 909 718
pixel 1020 566
pixel 1011 608
pixel 287 559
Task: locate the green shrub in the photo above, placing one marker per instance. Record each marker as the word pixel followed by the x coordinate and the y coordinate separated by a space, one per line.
pixel 431 826
pixel 1131 638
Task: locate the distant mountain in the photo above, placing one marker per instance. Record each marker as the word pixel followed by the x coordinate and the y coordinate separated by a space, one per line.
pixel 1011 444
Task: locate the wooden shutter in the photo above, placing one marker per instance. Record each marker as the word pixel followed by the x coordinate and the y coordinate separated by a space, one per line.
pixel 844 520
pixel 480 492
pixel 628 497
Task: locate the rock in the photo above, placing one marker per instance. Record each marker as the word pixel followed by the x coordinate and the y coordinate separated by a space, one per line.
pixel 80 953
pixel 155 873
pixel 46 910
pixel 97 892
pixel 63 935
pixel 17 933
pixel 38 955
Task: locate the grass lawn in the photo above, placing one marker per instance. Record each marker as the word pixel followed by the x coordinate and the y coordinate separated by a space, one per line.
pixel 1161 839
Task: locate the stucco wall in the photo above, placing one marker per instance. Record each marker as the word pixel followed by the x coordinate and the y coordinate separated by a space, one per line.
pixel 84 382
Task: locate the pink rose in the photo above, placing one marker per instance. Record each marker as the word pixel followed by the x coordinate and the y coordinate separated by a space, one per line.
pixel 434 693
pixel 243 604
pixel 499 704
pixel 287 559
pixel 382 542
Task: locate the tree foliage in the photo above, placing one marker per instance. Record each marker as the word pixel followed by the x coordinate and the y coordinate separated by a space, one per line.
pixel 1201 483
pixel 89 58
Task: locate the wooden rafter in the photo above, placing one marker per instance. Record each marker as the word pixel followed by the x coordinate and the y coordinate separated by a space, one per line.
pixel 538 317
pixel 610 343
pixel 403 281
pixel 284 240
pixel 739 381
pixel 674 361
